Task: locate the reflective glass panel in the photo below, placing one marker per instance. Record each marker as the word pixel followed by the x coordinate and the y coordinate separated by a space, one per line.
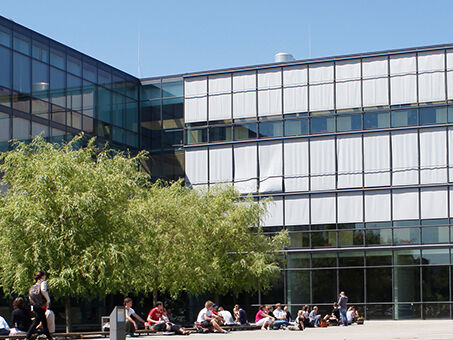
pixel 379 258
pixel 351 281
pixel 324 286
pixel 405 311
pixel 404 118
pixel 321 260
pixel 435 283
pixel 322 124
pixel 379 311
pixel 406 284
pixel 436 311
pixel 21 129
pixel 5 36
pixel 350 238
pixel 407 257
pixel 271 129
pixel 435 235
pixel 104 77
pixel 323 239
pixel 40 51
pixel 349 123
pixel 406 235
pixel 5 67
pixel 351 259
pixel 376 120
pixel 89 72
pixel 378 236
pixel 104 105
pixel 21 43
pixel 75 65
pixel 40 80
pixel 22 73
pixel 296 127
pixel 151 91
pixel 245 131
pixel 220 133
pixel 298 291
pixel 173 113
pixel 298 260
pixel 172 89
pixel 57 58
pixel 435 256
pixel 172 138
pixel 195 136
pixel 379 284
pixel 433 115
pixel 299 240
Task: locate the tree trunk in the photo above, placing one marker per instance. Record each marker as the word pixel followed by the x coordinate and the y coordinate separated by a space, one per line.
pixel 217 299
pixel 67 309
pixel 154 297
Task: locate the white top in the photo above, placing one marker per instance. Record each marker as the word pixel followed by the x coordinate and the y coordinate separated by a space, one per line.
pixel 227 317
pixel 130 311
pixel 201 315
pixel 3 323
pixel 349 314
pixel 50 317
pixel 279 314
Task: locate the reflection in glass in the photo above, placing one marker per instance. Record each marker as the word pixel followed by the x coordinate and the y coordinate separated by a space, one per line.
pixel 172 89
pixel 349 123
pixel 195 136
pixel 245 131
pixel 324 286
pixel 322 124
pixel 435 283
pixel 5 67
pixel 299 240
pixel 298 260
pixel 406 235
pixel 350 238
pixel 40 51
pixel 21 43
pixel 407 257
pixel 351 259
pixel 104 105
pixel 376 120
pixel 435 256
pixel 151 91
pixel 21 129
pixel 89 72
pixel 378 236
pixel 406 311
pixel 351 281
pixel 321 260
pixel 296 127
pixel 57 58
pixel 271 129
pixel 22 74
pixel 104 77
pixel 406 285
pixel 173 113
pixel 172 138
pixel 379 312
pixel 379 284
pixel 5 36
pixel 323 239
pixel 220 133
pixel 436 311
pixel 75 65
pixel 404 118
pixel 435 235
pixel 433 115
pixel 379 258
pixel 298 286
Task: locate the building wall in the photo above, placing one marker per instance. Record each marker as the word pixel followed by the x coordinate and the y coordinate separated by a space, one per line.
pixel 356 154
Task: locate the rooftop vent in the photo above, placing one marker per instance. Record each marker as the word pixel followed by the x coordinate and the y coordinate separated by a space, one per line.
pixel 283 57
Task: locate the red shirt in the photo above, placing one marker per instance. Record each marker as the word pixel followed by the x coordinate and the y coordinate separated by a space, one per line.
pixel 155 314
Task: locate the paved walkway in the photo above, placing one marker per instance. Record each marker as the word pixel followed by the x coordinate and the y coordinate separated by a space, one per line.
pixel 371 330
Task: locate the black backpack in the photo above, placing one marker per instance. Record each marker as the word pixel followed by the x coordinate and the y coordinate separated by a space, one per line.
pixel 35 296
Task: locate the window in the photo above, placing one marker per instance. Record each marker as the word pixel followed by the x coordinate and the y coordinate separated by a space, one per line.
pixel 376 120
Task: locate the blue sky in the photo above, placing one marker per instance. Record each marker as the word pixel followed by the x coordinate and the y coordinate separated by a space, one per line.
pixel 197 35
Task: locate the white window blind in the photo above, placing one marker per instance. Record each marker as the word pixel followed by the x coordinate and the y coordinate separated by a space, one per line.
pixel 431 87
pixel 434 203
pixel 349 150
pixel 196 166
pixel 295 99
pixel 405 157
pixel 375 67
pixel 297 210
pixel 219 84
pixel 375 92
pixel 405 204
pixel 195 109
pixel 244 104
pixel 376 151
pixel 449 59
pixel 321 73
pixel 195 87
pixel 402 64
pixel 433 155
pixel 245 168
pixel 274 216
pixel 244 81
pixel 451 201
pixel 295 76
pixel 403 89
pixel 321 97
pixel 271 171
pixel 348 94
pixel 296 165
pixel 347 70
pixel 269 102
pixel 450 154
pixel 431 61
pixel 220 107
pixel 377 206
pixel 269 79
pixel 220 164
pixel 350 207
pixel 450 84
pixel 322 162
pixel 323 209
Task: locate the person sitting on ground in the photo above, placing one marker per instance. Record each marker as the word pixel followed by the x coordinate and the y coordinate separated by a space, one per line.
pixel 170 327
pixel 226 315
pixel 131 324
pixel 20 318
pixel 236 313
pixel 208 319
pixel 220 319
pixel 280 317
pixel 315 318
pixel 154 318
pixel 350 315
pixel 263 318
pixel 241 316
pixel 4 327
pixel 356 315
pixel 300 320
pixel 334 318
pixel 289 317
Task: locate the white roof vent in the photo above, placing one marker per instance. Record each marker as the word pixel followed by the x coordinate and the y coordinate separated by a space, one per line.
pixel 283 57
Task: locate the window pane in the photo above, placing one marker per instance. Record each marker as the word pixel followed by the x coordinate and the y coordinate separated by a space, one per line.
pixel 5 67
pixel 436 311
pixel 195 136
pixel 5 36
pixel 379 312
pixel 404 118
pixel 321 260
pixel 379 258
pixel 22 72
pixel 299 240
pixel 351 282
pixel 89 72
pixel 351 259
pixel 173 113
pixel 378 236
pixel 405 311
pixel 21 43
pixel 296 127
pixel 104 77
pixel 349 123
pixel 435 235
pixel 40 51
pixel 57 89
pixel 57 58
pixel 271 129
pixel 433 115
pixel 407 284
pixel 172 89
pixel 407 257
pixel 220 133
pixel 151 91
pixel 298 286
pixel 245 131
pixel 172 138
pixel 21 129
pixel 298 260
pixel 350 238
pixel 379 284
pixel 40 80
pixel 324 286
pixel 435 256
pixel 322 124
pixel 376 120
pixel 406 236
pixel 104 105
pixel 436 283
pixel 323 239
pixel 75 65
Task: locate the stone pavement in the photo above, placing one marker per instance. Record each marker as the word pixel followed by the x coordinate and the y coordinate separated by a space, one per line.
pixel 371 330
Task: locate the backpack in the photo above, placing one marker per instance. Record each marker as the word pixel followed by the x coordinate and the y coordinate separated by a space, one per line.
pixel 34 295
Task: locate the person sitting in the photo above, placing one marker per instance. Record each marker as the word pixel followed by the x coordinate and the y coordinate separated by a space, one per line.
pixel 334 318
pixel 280 317
pixel 263 318
pixel 351 315
pixel 130 314
pixel 220 319
pixel 20 318
pixel 300 320
pixel 240 316
pixel 236 313
pixel 154 318
pixel 315 318
pixel 4 327
pixel 207 319
pixel 226 315
pixel 170 327
pixel 289 317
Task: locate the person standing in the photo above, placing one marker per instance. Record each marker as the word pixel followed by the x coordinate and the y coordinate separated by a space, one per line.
pixel 343 306
pixel 39 301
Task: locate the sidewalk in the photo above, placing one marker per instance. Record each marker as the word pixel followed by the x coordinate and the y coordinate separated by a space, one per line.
pixel 371 330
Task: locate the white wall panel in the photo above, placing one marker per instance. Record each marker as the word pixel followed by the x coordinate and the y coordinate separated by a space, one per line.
pixel 269 79
pixel 322 162
pixel 271 169
pixel 450 84
pixel 377 206
pixel 195 109
pixel 433 156
pixel 220 107
pixel 376 150
pixel 295 99
pixel 244 104
pixel 269 102
pixel 296 165
pixel 297 210
pixel 245 168
pixel 347 70
pixel 349 151
pixel 323 209
pixel 431 87
pixel 431 61
pixel 434 203
pixel 295 76
pixel 348 94
pixel 450 155
pixel 321 97
pixel 375 92
pixel 403 89
pixel 321 73
pixel 375 67
pixel 274 216
pixel 220 164
pixel 405 157
pixel 244 81
pixel 194 87
pixel 405 204
pixel 196 166
pixel 350 207
pixel 219 84
pixel 402 64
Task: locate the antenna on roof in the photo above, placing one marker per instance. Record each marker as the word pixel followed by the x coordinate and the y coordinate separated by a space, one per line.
pixel 138 54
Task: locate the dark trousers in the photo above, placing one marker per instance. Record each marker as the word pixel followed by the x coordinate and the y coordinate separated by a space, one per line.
pixel 40 317
pixel 4 331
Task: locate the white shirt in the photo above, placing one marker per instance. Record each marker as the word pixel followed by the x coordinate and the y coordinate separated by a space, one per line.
pixel 201 315
pixel 227 317
pixel 349 315
pixel 130 312
pixel 3 324
pixel 279 314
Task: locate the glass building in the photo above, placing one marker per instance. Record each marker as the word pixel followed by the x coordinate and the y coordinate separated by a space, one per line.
pixel 356 151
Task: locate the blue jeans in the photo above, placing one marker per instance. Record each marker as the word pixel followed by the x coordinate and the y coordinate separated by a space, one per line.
pixel 279 323
pixel 344 319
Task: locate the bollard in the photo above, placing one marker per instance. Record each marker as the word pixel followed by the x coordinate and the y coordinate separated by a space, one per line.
pixel 118 323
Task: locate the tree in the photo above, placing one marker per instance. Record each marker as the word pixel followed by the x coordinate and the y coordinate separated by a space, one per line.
pixel 66 212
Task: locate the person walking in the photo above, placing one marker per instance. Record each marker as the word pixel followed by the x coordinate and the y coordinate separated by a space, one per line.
pixel 343 305
pixel 39 301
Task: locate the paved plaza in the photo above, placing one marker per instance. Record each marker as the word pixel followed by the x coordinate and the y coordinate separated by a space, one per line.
pixel 371 330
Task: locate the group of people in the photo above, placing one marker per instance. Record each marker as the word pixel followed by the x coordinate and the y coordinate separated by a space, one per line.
pixel 22 319
pixel 212 317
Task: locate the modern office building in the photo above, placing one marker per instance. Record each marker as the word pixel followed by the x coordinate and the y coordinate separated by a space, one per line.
pixel 356 151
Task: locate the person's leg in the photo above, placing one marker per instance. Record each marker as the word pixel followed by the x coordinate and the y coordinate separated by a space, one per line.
pixel 4 331
pixel 216 326
pixel 40 317
pixel 344 319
